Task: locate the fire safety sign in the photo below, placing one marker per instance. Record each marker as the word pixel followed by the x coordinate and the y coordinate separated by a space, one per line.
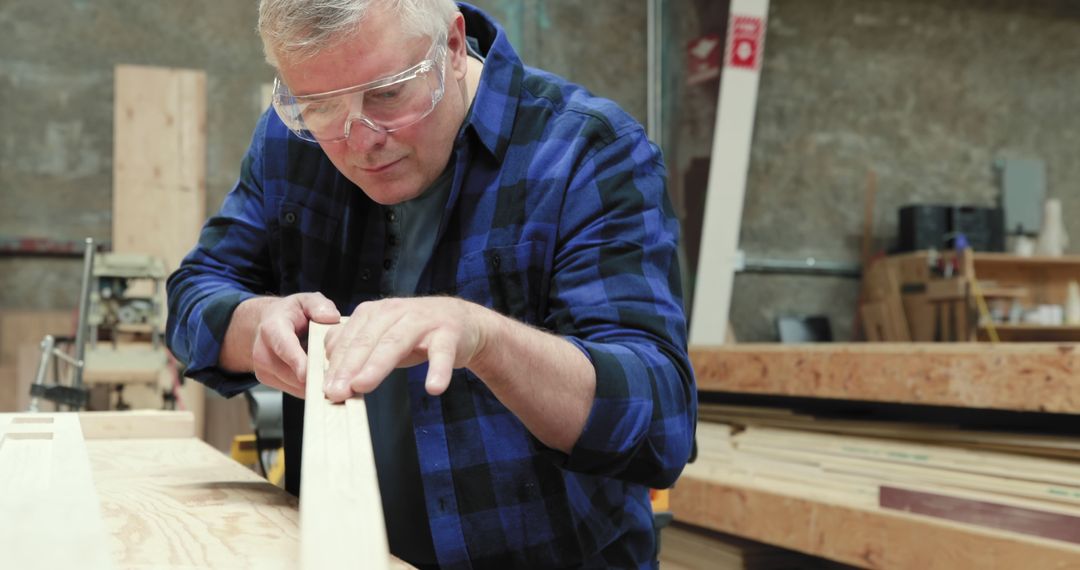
pixel 744 49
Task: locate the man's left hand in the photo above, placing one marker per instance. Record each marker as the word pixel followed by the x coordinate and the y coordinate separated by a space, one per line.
pixel 383 335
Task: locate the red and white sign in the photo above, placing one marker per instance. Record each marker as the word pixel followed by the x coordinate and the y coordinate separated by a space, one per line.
pixel 744 49
pixel 703 59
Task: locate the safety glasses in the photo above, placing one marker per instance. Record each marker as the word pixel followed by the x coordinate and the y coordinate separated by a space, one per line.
pixel 384 105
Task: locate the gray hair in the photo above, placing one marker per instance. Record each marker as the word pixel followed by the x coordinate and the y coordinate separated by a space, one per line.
pixel 299 29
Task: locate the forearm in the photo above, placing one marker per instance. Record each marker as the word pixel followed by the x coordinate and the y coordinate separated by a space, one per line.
pixel 236 349
pixel 544 380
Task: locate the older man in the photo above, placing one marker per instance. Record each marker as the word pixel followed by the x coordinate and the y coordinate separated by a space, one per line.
pixel 505 246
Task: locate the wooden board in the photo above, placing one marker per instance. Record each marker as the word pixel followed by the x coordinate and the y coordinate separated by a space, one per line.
pixel 21 333
pixel 729 164
pixel 159 172
pixel 1024 377
pixel 51 517
pixel 1036 522
pixel 865 537
pixel 178 503
pixel 137 424
pixel 341 512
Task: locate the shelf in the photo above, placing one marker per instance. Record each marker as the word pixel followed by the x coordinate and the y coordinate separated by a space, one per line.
pixel 1011 376
pixel 1033 333
pixel 867 537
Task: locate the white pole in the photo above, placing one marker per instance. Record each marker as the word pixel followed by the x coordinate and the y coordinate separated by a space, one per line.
pixel 732 137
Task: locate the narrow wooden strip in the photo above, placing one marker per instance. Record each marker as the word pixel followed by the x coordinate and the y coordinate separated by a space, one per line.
pixel 341 519
pixel 1035 522
pixel 1025 377
pixel 50 514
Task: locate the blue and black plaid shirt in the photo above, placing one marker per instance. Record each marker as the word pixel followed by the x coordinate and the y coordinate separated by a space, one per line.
pixel 558 217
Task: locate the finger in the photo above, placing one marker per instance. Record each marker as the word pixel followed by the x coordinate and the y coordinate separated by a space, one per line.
pixel 281 340
pixel 442 350
pixel 318 308
pixel 355 344
pixel 393 347
pixel 267 363
pixel 278 384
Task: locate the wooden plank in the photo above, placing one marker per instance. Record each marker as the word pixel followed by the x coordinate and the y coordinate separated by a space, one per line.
pixel 341 512
pixel 730 162
pixel 51 517
pixel 159 172
pixel 1024 377
pixel 865 537
pixel 875 321
pixel 20 332
pixel 179 503
pixel 1036 522
pixel 137 424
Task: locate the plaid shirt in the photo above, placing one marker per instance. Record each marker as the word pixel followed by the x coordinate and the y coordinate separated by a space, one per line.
pixel 558 217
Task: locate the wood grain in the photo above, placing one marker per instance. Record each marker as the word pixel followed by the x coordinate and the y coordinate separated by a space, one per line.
pixel 179 503
pixel 1023 377
pixel 159 172
pixel 341 510
pixel 137 424
pixel 796 518
pixel 50 515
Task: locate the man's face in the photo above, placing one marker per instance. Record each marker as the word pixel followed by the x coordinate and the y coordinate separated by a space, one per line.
pixel 390 167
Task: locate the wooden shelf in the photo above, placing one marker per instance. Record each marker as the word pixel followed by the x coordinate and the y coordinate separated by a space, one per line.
pixel 865 537
pixel 1009 376
pixel 1033 333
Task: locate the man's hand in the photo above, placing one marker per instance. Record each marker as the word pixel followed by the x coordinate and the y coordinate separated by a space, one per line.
pixel 264 337
pixel 383 335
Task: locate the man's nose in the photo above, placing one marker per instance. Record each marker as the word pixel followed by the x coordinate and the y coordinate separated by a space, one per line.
pixel 362 137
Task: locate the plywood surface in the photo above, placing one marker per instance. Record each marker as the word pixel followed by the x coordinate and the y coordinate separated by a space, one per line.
pixel 159 172
pixel 178 503
pixel 1023 377
pixel 49 513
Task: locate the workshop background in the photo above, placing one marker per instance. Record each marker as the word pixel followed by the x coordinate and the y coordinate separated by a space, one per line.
pixel 958 116
pixel 928 94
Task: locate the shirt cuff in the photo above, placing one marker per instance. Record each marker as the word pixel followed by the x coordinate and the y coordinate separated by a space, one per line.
pixel 620 416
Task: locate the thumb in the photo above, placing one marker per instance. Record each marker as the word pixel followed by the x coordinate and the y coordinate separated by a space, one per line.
pixel 318 308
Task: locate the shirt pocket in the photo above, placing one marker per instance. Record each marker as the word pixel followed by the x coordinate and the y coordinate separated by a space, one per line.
pixel 509 279
pixel 304 236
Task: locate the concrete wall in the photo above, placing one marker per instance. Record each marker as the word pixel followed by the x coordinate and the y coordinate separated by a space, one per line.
pixel 925 93
pixel 56 91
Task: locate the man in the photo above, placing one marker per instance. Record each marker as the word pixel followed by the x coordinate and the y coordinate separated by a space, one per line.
pixel 506 249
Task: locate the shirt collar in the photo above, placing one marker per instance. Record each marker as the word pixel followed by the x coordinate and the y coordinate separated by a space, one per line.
pixel 495 103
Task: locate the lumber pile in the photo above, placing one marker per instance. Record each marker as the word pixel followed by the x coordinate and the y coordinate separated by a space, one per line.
pixel 1026 484
pixel 686 547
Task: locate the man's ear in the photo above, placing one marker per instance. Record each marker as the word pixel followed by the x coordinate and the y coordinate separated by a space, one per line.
pixel 459 55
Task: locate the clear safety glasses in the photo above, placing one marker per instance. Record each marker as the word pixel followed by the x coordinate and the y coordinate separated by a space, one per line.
pixel 384 105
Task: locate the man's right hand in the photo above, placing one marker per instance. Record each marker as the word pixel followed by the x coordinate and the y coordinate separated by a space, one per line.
pixel 264 337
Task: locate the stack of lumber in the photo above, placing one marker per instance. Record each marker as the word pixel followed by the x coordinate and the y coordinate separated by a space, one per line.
pixel 1028 484
pixel 689 548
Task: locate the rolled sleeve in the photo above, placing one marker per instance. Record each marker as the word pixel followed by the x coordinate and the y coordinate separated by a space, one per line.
pixel 616 295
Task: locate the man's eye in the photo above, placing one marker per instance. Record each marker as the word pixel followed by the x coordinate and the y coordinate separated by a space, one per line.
pixel 388 94
pixel 318 109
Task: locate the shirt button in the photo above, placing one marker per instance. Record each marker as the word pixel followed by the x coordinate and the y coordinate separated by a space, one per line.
pixel 496 261
pixel 290 218
pixel 387 263
pixel 365 275
pixel 391 216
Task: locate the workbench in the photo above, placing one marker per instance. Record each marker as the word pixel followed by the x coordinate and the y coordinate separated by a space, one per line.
pixel 172 501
